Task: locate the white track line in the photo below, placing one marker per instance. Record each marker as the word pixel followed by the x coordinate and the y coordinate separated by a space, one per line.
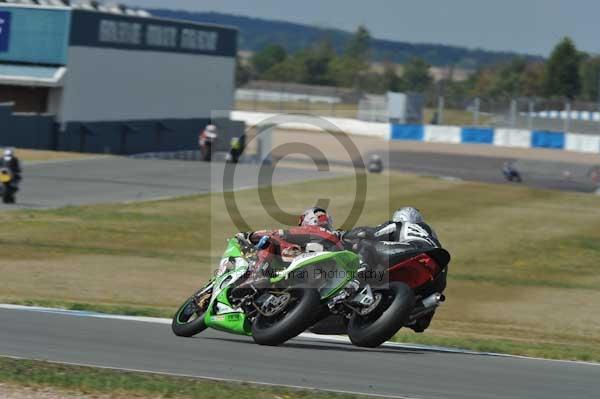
pixel 308 336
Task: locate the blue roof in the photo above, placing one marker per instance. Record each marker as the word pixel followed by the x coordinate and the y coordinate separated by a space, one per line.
pixel 28 71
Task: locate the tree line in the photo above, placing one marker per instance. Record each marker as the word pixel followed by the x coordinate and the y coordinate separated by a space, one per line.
pixel 567 74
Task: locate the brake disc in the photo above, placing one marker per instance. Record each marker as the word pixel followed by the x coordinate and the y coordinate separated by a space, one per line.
pixel 274 304
pixel 373 306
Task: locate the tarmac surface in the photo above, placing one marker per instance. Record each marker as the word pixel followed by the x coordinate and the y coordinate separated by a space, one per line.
pixel 564 176
pixel 116 179
pixel 391 370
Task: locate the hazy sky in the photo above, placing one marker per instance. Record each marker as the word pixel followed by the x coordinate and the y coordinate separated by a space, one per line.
pixel 531 26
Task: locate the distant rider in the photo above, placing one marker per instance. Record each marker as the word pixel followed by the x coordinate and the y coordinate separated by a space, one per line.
pixel 207 140
pixel 10 161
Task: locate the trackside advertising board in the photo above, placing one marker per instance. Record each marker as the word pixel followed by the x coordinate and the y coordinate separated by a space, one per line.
pixel 5 19
pixel 94 29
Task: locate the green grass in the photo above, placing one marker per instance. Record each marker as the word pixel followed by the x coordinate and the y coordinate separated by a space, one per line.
pixel 525 262
pixel 117 384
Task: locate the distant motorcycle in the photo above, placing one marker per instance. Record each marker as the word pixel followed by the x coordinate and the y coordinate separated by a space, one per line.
pixel 8 186
pixel 511 173
pixel 207 141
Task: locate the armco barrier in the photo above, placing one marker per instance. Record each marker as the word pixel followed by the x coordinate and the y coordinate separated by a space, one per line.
pixel 512 138
pixel 442 134
pixel 407 132
pixel 474 135
pixel 498 137
pixel 544 139
pixel 503 137
pixel 582 143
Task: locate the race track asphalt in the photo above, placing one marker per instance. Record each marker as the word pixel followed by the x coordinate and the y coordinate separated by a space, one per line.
pixel 305 362
pixel 118 179
pixel 538 174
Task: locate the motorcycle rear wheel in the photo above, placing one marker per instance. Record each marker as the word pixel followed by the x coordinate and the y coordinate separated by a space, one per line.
pixel 290 322
pixel 383 322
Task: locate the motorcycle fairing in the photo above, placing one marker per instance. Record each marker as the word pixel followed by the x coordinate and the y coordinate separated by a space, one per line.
pixel 221 315
pixel 335 269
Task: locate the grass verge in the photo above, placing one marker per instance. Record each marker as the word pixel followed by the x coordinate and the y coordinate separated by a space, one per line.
pixel 92 381
pixel 43 155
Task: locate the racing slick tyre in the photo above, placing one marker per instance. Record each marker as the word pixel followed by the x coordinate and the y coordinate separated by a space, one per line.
pixel 300 313
pixel 378 326
pixel 189 319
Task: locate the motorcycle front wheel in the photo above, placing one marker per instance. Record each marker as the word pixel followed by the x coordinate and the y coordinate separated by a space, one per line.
pixel 189 319
pixel 299 314
pixel 378 326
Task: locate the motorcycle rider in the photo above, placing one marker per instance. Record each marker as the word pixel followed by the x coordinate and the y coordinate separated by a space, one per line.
pixel 314 227
pixel 206 141
pixel 407 226
pixel 10 161
pixel 380 247
pixel 314 233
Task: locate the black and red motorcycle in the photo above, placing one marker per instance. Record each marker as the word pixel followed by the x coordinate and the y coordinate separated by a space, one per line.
pixel 420 267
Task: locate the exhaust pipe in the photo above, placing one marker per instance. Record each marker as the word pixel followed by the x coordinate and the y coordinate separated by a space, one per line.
pixel 427 305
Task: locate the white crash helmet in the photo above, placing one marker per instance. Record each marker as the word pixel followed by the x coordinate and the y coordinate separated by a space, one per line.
pixel 408 215
pixel 316 217
pixel 211 129
pixel 8 154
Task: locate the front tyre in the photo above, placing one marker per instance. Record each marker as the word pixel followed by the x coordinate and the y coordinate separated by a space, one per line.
pixel 189 319
pixel 373 329
pixel 299 314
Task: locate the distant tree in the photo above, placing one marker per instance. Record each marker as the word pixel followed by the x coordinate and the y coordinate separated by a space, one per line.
pixel 267 58
pixel 481 83
pixel 562 70
pixel 416 75
pixel 508 81
pixel 290 70
pixel 359 46
pixel 590 79
pixel 532 80
pixel 317 64
pixel 352 68
pixel 390 79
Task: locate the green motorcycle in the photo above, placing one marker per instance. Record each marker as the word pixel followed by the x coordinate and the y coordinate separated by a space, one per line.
pixel 288 303
pixel 293 298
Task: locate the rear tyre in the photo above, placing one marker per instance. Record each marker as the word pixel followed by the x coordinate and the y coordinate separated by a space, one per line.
pixel 383 322
pixel 5 193
pixel 300 314
pixel 189 319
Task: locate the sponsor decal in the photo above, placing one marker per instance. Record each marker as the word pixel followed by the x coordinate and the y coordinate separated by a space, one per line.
pixel 5 18
pixel 137 34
